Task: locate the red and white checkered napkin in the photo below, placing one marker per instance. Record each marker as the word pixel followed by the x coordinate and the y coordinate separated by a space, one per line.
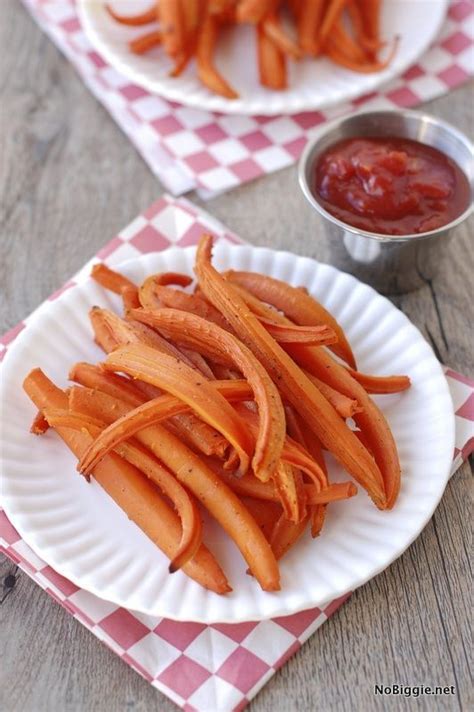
pixel 187 148
pixel 207 668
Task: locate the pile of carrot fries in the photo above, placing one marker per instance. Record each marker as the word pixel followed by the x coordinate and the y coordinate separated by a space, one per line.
pixel 226 397
pixel 345 31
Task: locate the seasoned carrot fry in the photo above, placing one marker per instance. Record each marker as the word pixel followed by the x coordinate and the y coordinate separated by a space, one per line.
pixel 331 16
pixel 370 11
pixel 341 39
pixel 271 62
pixel 174 376
pixel 194 474
pixel 309 16
pixel 109 279
pixel 138 456
pixel 381 384
pixel 293 384
pixel 144 43
pixel 39 425
pixel 255 10
pixel 356 66
pixel 346 407
pixel 130 297
pixel 285 534
pixel 273 29
pixel 207 72
pixel 150 413
pixel 370 420
pixel 154 296
pixel 296 304
pixel 167 278
pixel 264 513
pixel 143 19
pixel 215 342
pixel 103 337
pixel 191 429
pixel 172 26
pixel 132 492
pixel 289 486
pixel 291 334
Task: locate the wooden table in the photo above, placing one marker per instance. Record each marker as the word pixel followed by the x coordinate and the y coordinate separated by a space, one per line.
pixel 70 180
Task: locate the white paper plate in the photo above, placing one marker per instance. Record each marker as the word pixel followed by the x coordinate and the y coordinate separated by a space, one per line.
pixel 312 84
pixel 77 529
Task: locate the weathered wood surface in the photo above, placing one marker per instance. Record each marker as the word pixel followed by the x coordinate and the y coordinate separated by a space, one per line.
pixel 69 181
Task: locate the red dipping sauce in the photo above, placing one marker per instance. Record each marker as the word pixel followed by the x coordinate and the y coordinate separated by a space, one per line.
pixel 393 186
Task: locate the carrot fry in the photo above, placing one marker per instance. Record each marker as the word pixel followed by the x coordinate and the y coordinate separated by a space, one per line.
pixel 293 384
pixel 172 26
pixel 273 29
pixel 331 16
pixel 144 43
pixel 289 486
pixel 143 19
pixel 296 304
pixel 370 420
pixel 167 278
pixel 138 456
pixel 255 10
pixel 109 279
pixel 271 62
pixel 207 72
pixel 196 476
pixel 285 534
pixel 174 376
pixel 362 67
pixel 189 428
pixel 346 407
pixel 130 298
pixel 291 334
pixel 39 425
pixel 309 16
pixel 381 384
pixel 103 337
pixel 153 296
pixel 215 342
pixel 148 414
pixel 135 494
pixel 370 11
pixel 264 513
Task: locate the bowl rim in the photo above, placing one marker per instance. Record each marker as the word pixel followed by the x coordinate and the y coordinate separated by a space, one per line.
pixel 377 236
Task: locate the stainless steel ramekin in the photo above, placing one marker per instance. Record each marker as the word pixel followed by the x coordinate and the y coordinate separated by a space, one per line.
pixel 399 263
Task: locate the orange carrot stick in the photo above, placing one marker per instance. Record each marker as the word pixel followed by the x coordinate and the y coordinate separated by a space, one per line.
pixel 144 43
pixel 331 16
pixel 109 279
pixel 309 19
pixel 132 452
pixel 271 62
pixel 39 425
pixel 299 306
pixel 293 384
pixel 207 72
pixel 205 484
pixel 285 534
pixel 133 493
pixel 130 298
pixel 273 29
pixel 266 514
pixel 217 343
pixel 172 26
pixel 174 376
pixel 289 486
pixel 143 18
pixel 255 10
pixel 346 407
pixel 310 335
pixel 381 384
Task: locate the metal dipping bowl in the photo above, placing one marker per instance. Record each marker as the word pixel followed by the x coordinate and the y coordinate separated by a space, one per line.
pixel 393 264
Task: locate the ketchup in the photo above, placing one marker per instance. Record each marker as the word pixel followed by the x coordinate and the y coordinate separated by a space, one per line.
pixel 392 186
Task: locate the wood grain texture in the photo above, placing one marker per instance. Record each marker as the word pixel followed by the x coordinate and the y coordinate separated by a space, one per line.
pixel 69 181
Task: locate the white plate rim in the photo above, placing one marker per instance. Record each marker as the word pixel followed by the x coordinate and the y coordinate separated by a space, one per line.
pixel 449 424
pixel 215 103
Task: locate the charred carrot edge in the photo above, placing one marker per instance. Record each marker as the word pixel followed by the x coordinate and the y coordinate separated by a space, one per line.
pixel 191 429
pixel 215 342
pixel 381 384
pixel 271 62
pixel 144 43
pixel 191 536
pixel 132 492
pixel 147 414
pixel 293 384
pixel 174 376
pixel 143 18
pixel 39 425
pixel 285 534
pixel 273 29
pixel 300 307
pixel 109 279
pixel 370 420
pixel 213 493
pixel 207 72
